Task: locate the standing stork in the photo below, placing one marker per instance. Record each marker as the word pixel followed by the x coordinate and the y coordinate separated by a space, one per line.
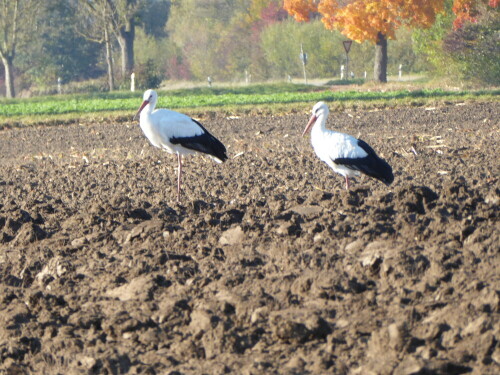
pixel 346 155
pixel 177 133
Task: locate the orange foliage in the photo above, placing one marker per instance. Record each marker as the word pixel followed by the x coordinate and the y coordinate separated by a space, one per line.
pixel 300 9
pixel 467 11
pixel 362 20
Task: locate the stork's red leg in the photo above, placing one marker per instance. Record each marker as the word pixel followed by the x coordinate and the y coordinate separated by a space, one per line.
pixel 179 178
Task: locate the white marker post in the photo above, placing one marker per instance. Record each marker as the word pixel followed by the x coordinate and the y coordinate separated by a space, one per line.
pixel 303 58
pixel 132 82
pixel 400 71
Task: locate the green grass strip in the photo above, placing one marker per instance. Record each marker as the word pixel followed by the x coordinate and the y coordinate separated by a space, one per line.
pixel 215 98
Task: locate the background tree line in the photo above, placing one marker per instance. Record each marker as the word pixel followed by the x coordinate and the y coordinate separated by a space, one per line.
pixel 96 44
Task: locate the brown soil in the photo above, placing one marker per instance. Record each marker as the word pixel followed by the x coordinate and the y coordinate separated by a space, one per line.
pixel 267 266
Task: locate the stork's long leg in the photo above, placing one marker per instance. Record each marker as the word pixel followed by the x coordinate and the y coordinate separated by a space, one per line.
pixel 346 183
pixel 179 177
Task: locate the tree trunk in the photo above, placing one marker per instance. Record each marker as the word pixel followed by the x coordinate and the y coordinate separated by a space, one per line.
pixel 380 71
pixel 109 60
pixel 7 62
pixel 126 40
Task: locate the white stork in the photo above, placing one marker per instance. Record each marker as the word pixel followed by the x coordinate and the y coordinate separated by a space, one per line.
pixel 343 153
pixel 177 133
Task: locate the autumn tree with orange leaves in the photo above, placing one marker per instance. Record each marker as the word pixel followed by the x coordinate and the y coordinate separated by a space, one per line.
pixel 368 20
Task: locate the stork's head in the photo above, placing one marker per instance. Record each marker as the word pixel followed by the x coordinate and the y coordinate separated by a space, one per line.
pixel 319 109
pixel 150 97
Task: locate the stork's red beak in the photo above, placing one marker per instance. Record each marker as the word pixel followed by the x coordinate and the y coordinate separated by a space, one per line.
pixel 311 122
pixel 144 103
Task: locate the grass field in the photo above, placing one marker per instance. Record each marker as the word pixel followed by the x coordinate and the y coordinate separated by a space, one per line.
pixel 267 98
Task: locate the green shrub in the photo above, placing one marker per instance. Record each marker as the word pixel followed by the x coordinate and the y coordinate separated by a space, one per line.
pixel 475 50
pixel 471 53
pixel 147 75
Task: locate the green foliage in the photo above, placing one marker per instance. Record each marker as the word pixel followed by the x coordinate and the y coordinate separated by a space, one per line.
pixel 401 52
pixel 471 52
pixel 278 50
pixel 148 75
pixel 198 28
pixel 221 39
pixel 153 16
pixel 428 42
pixel 151 56
pixel 475 49
pixel 56 50
pixel 281 45
pixel 167 57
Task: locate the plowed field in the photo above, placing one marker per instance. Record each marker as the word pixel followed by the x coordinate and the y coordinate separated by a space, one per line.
pixel 267 266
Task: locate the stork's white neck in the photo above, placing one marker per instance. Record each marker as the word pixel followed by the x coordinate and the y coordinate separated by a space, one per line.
pixel 320 125
pixel 146 114
pixel 150 107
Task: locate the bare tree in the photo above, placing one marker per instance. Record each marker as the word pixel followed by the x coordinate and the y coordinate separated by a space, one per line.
pixel 95 27
pixel 123 17
pixel 16 21
pixel 117 17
